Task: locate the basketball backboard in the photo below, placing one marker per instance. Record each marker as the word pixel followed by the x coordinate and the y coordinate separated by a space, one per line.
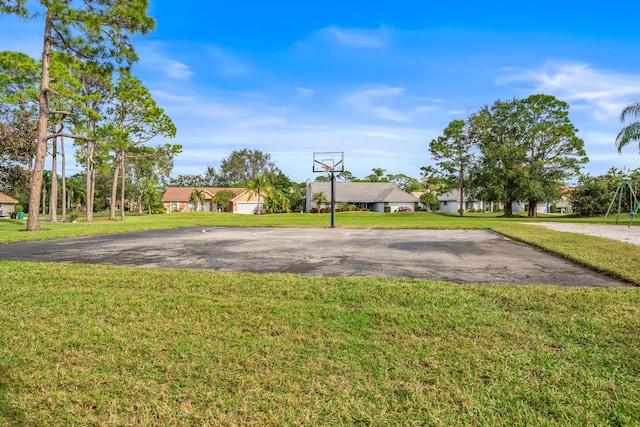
pixel 328 161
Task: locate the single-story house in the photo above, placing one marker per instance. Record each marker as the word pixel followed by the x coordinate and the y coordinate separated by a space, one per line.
pixel 7 205
pixel 373 196
pixel 450 202
pixel 176 199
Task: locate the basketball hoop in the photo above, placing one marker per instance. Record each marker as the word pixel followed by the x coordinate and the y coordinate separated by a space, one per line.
pixel 326 162
pixel 329 162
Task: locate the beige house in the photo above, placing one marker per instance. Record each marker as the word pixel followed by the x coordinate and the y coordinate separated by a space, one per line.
pixel 176 199
pixel 7 205
pixel 373 196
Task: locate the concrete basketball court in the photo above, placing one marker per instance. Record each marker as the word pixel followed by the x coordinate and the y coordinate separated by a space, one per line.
pixel 462 256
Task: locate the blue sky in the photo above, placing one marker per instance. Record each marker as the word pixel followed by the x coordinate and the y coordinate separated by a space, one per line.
pixel 377 79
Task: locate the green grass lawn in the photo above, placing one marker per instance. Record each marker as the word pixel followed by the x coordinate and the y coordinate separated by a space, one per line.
pixel 100 345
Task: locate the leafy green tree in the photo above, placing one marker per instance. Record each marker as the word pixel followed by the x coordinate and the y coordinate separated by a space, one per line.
pixel 149 165
pixel 555 153
pixel 133 118
pixel 257 186
pixel 591 197
pixel 197 196
pixel 18 114
pixel 345 176
pixel 430 200
pixel 66 84
pixel 208 179
pixel 319 198
pixel 296 197
pixel 98 31
pixel 245 165
pixel 281 182
pixel 223 198
pixel 376 176
pixel 405 182
pixel 631 131
pixel 152 194
pixel 277 202
pixel 92 152
pixel 188 181
pixel 500 173
pixel 75 192
pixel 453 155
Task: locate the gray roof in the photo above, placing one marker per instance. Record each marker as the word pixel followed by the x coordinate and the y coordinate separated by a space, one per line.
pixel 454 195
pixel 364 192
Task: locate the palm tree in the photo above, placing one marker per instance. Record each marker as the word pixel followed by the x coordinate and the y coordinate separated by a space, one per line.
pixel 75 192
pixel 630 132
pixel 319 198
pixel 197 196
pixel 257 186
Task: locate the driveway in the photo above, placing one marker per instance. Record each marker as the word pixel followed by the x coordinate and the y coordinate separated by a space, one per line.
pixel 462 256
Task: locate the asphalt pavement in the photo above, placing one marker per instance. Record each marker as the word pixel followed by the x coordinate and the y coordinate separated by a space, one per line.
pixel 461 256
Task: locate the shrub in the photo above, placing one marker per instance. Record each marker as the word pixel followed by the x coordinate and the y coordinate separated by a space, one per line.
pixel 72 216
pixel 19 208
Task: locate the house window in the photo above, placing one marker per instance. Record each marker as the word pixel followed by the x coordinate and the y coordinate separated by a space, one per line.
pixel 363 205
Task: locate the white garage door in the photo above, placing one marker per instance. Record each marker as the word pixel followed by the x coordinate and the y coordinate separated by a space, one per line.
pixel 246 207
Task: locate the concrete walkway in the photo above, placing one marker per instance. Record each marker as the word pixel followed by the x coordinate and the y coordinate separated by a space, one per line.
pixel 621 232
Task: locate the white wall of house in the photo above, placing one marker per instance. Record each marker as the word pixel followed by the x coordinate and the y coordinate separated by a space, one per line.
pixel 7 207
pixel 449 206
pixel 377 207
pixel 246 208
pixel 543 207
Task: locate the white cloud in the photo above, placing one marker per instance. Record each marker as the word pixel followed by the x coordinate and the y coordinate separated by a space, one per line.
pixel 178 70
pixel 599 137
pixel 227 64
pixel 385 135
pixel 355 37
pixel 604 92
pixel 152 56
pixel 364 101
pixel 369 100
pixel 304 92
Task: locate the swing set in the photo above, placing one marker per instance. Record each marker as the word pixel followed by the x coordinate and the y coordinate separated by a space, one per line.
pixel 632 186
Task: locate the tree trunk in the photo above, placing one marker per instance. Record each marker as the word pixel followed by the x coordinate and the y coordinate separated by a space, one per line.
pixel 533 211
pixel 89 168
pixel 53 193
pixel 114 187
pixel 508 209
pixel 44 200
pixel 92 194
pixel 35 185
pixel 64 182
pixel 461 208
pixel 122 187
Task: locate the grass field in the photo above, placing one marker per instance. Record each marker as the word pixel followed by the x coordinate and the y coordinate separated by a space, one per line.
pixel 98 345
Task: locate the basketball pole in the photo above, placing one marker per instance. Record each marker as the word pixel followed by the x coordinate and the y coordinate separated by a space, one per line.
pixel 333 197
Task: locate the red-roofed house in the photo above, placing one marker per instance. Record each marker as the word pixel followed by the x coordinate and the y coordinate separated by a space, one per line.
pixel 176 199
pixel 7 204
